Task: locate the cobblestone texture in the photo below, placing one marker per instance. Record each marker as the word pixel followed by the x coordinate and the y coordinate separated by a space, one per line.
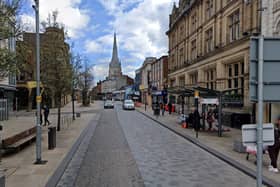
pixel 108 161
pixel 165 159
pixel 71 172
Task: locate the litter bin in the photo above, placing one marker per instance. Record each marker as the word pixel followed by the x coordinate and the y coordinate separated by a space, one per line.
pixel 52 137
pixel 238 119
pixel 156 111
pixel 78 115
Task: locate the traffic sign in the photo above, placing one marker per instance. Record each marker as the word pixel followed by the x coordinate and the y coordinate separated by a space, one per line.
pixel 271 69
pixel 249 134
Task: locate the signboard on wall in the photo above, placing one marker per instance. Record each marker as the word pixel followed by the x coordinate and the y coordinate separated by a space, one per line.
pixel 213 101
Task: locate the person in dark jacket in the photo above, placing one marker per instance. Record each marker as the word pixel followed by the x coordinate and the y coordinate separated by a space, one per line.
pixel 274 149
pixel 196 120
pixel 191 119
pixel 46 115
pixel 210 119
pixel 169 107
pixel 162 108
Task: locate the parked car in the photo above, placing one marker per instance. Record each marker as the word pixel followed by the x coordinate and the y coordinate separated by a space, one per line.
pixel 108 104
pixel 128 105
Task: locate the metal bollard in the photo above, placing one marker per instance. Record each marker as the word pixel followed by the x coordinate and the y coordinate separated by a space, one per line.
pixel 52 138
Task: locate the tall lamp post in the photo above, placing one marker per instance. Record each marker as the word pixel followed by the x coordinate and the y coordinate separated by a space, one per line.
pixel 73 86
pixel 38 95
pixel 196 114
pixel 73 100
pixel 260 101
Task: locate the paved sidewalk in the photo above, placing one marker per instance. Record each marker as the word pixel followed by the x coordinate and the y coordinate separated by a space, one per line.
pixel 22 120
pixel 222 144
pixel 19 168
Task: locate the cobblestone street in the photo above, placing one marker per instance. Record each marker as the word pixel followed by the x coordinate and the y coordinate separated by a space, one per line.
pixel 128 149
pixel 165 159
pixel 108 161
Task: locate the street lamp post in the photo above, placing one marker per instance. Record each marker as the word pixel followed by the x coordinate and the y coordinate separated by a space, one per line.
pixel 38 96
pixel 73 85
pixel 260 101
pixel 73 100
pixel 196 118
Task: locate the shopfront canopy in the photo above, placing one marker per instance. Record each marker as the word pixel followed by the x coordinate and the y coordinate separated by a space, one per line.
pixel 189 91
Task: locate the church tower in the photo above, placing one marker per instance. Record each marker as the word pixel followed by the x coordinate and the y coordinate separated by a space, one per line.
pixel 115 69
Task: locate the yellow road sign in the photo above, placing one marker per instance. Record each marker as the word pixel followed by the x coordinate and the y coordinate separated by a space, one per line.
pixel 196 94
pixel 38 99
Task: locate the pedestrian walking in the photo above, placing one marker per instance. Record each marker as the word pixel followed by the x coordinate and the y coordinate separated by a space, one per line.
pixel 210 119
pixel 41 116
pixel 162 108
pixel 196 120
pixel 169 107
pixel 191 119
pixel 46 115
pixel 274 149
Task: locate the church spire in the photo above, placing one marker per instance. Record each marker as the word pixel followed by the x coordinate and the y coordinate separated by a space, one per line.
pixel 115 58
pixel 115 69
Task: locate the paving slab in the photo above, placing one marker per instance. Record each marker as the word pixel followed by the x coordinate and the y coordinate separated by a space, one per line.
pixel 222 144
pixel 20 169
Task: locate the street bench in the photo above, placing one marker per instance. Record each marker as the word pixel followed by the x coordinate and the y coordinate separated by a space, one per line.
pixel 18 141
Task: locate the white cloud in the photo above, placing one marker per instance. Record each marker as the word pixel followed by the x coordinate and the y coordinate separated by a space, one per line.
pixel 27 22
pixel 103 44
pixel 100 72
pixel 141 25
pixel 93 47
pixel 74 18
pixel 129 70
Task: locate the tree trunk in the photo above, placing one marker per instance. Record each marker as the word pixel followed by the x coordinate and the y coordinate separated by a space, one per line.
pixel 58 112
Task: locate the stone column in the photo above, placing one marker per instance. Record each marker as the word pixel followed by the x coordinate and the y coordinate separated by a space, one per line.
pixel 200 77
pixel 221 74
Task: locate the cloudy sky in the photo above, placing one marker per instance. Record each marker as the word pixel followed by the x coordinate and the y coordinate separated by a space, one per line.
pixel 140 26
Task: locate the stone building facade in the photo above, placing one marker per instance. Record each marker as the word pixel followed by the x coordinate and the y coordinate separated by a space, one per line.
pixel 146 80
pixel 159 73
pixel 209 45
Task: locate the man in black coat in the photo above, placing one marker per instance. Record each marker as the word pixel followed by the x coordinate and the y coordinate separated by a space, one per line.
pixel 46 114
pixel 169 107
pixel 196 120
pixel 274 149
